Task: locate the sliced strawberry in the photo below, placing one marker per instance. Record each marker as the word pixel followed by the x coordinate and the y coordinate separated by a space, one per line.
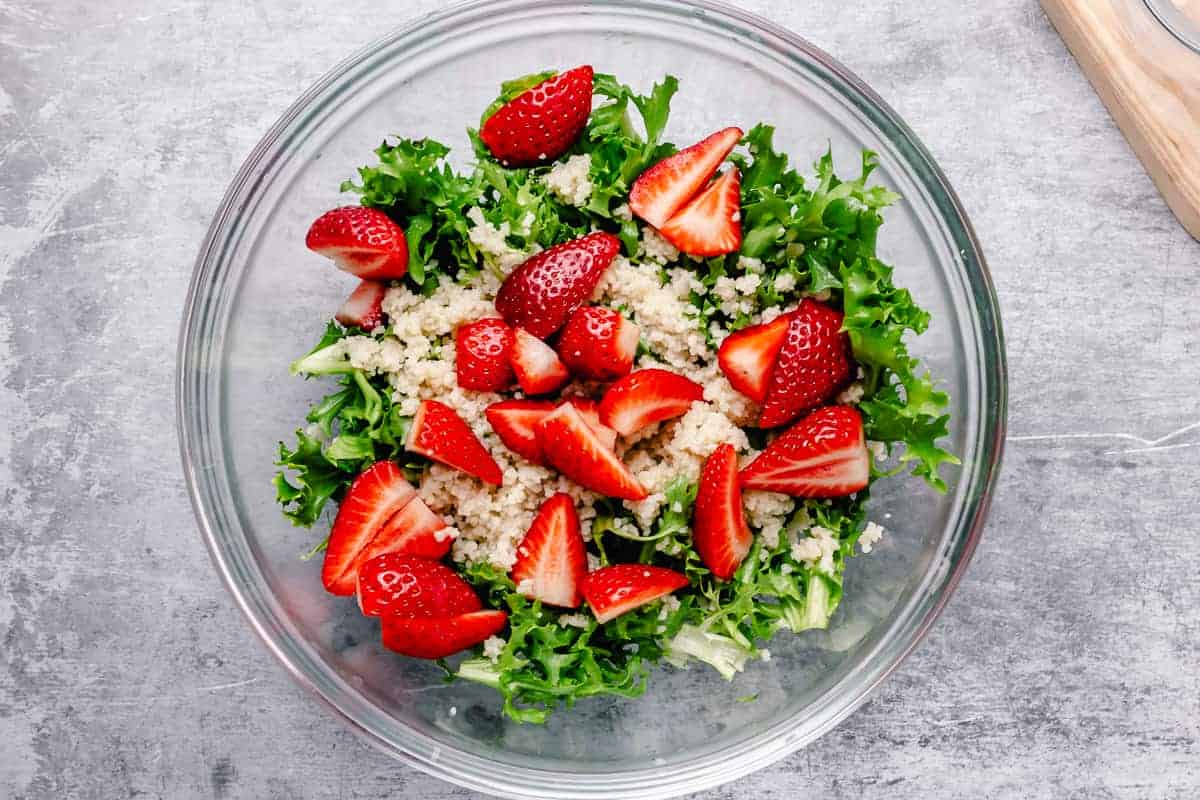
pixel 589 409
pixel 413 530
pixel 438 637
pixel 483 355
pixel 664 188
pixel 362 241
pixel 719 530
pixel 710 224
pixel 543 122
pixel 748 356
pixel 813 364
pixel 598 344
pixel 536 364
pixel 515 422
pixel 823 455
pixel 551 560
pixel 572 447
pixel 364 307
pixel 645 397
pixel 415 587
pixel 440 434
pixel 541 294
pixel 612 591
pixel 373 498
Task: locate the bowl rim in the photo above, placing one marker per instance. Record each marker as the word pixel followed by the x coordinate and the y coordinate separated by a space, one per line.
pixel 755 752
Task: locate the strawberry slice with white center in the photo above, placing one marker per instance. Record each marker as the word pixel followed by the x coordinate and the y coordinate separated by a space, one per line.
pixel 747 357
pixel 362 241
pixel 413 530
pixel 823 455
pixel 620 588
pixel 710 224
pixel 536 365
pixel 572 447
pixel 719 530
pixel 589 409
pixel 667 186
pixel 551 560
pixel 598 344
pixel 440 434
pixel 814 362
pixel 375 496
pixel 515 422
pixel 483 355
pixel 438 637
pixel 645 397
pixel 541 123
pixel 415 587
pixel 364 307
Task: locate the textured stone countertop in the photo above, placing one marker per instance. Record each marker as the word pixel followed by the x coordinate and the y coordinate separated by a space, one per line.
pixel 1067 664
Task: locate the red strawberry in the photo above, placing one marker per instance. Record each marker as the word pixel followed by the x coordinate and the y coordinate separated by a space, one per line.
pixel 823 455
pixel 536 364
pixel 483 355
pixel 364 307
pixel 748 356
pixel 413 530
pixel 598 344
pixel 515 422
pixel 438 637
pixel 440 434
pixel 664 188
pixel 572 447
pixel 589 409
pixel 812 366
pixel 541 294
pixel 362 241
pixel 611 591
pixel 551 559
pixel 415 587
pixel 543 122
pixel 645 397
pixel 719 529
pixel 710 224
pixel 373 498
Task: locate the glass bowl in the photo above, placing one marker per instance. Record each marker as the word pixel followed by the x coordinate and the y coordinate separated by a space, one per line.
pixel 258 299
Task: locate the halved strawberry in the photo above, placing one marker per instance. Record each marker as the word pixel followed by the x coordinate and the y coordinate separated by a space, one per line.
pixel 413 530
pixel 719 530
pixel 823 455
pixel 374 497
pixel 542 293
pixel 598 344
pixel 515 422
pixel 364 307
pixel 438 637
pixel 589 409
pixel 416 587
pixel 612 591
pixel 551 560
pixel 748 356
pixel 572 447
pixel 362 241
pixel 483 355
pixel 664 188
pixel 710 224
pixel 536 365
pixel 440 434
pixel 543 122
pixel 645 397
pixel 813 364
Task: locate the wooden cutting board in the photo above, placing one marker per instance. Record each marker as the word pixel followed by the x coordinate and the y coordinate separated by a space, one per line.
pixel 1150 81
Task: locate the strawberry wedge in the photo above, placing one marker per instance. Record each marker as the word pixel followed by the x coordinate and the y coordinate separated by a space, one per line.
pixel 362 241
pixel 667 186
pixel 415 587
pixel 747 357
pixel 620 588
pixel 375 496
pixel 413 530
pixel 589 409
pixel 823 455
pixel 551 560
pixel 440 434
pixel 598 344
pixel 364 307
pixel 541 123
pixel 438 637
pixel 515 422
pixel 719 530
pixel 572 447
pixel 710 224
pixel 645 397
pixel 536 365
pixel 813 364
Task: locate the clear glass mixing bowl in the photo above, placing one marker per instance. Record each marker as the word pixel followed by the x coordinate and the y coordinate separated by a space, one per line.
pixel 258 299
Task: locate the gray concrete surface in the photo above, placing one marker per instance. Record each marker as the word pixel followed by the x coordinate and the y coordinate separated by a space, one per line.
pixel 1068 664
